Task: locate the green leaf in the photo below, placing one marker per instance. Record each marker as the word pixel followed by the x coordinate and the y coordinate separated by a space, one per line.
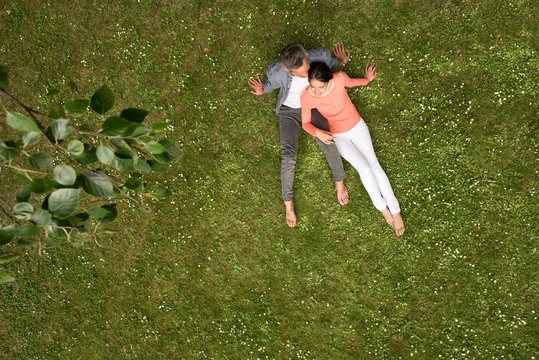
pixel 159 126
pixel 87 157
pixel 97 184
pixel 63 202
pixel 54 228
pixel 30 138
pixel 158 166
pixel 41 161
pixel 143 166
pixel 75 147
pixel 124 160
pixel 23 210
pixel 8 150
pixel 102 100
pixel 5 277
pixel 28 230
pixel 24 194
pixel 134 115
pixel 105 155
pixel 6 234
pixel 41 217
pixel 155 148
pixel 98 212
pixel 126 154
pixel 171 154
pixel 23 178
pixel 64 175
pixel 61 129
pixel 41 185
pixel 136 130
pixel 8 258
pixel 163 193
pixel 78 218
pixel 115 126
pixel 113 213
pixel 57 113
pixel 27 242
pixel 49 242
pixel 4 81
pixel 123 164
pixel 21 122
pixel 119 143
pixel 76 107
pixel 134 183
pixel 45 203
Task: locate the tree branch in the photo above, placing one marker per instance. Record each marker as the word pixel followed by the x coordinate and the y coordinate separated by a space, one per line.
pixel 55 146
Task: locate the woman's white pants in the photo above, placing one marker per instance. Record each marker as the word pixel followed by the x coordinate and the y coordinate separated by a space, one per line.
pixel 355 146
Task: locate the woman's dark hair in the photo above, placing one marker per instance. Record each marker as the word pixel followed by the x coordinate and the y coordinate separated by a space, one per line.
pixel 320 71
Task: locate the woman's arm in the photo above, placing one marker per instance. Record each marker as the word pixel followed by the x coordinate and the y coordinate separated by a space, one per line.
pixel 370 74
pixel 306 109
pixel 306 116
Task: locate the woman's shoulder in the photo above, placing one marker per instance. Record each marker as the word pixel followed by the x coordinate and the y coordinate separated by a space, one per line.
pixel 305 96
pixel 338 78
pixel 339 75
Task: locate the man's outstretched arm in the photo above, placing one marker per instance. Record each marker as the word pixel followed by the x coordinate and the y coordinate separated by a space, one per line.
pixel 257 85
pixel 340 53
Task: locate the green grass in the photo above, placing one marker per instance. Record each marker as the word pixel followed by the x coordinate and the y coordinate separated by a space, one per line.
pixel 215 273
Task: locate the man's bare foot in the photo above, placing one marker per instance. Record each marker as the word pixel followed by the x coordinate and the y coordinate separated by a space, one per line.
pixel 388 216
pixel 342 192
pixel 398 224
pixel 290 214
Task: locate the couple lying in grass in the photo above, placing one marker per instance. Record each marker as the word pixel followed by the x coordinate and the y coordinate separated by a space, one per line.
pixel 313 97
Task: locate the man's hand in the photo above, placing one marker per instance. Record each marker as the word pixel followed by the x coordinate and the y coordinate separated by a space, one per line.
pixel 370 72
pixel 340 54
pixel 324 136
pixel 257 85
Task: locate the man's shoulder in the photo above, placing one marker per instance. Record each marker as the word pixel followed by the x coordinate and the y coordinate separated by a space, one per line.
pixel 275 69
pixel 319 54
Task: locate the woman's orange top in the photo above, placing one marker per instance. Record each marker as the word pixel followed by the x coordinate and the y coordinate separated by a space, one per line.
pixel 336 106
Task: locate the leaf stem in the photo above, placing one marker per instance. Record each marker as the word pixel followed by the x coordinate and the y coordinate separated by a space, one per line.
pixel 26 170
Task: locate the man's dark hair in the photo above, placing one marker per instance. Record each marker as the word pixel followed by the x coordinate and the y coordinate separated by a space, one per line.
pixel 293 55
pixel 320 71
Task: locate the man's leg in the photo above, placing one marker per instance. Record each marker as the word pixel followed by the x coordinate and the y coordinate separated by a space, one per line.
pixel 333 157
pixel 290 128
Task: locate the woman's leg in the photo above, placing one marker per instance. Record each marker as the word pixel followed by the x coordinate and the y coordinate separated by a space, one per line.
pixel 351 153
pixel 356 147
pixel 361 138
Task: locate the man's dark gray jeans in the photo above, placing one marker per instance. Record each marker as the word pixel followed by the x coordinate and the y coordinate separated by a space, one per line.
pixel 290 127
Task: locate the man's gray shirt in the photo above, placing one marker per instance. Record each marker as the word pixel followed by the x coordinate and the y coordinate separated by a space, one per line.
pixel 279 78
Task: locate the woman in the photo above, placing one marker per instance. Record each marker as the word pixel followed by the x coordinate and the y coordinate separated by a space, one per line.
pixel 327 93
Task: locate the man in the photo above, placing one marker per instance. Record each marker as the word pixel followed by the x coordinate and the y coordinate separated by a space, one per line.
pixel 289 75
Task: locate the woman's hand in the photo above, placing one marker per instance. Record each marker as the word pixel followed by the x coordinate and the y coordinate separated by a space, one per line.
pixel 324 136
pixel 370 72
